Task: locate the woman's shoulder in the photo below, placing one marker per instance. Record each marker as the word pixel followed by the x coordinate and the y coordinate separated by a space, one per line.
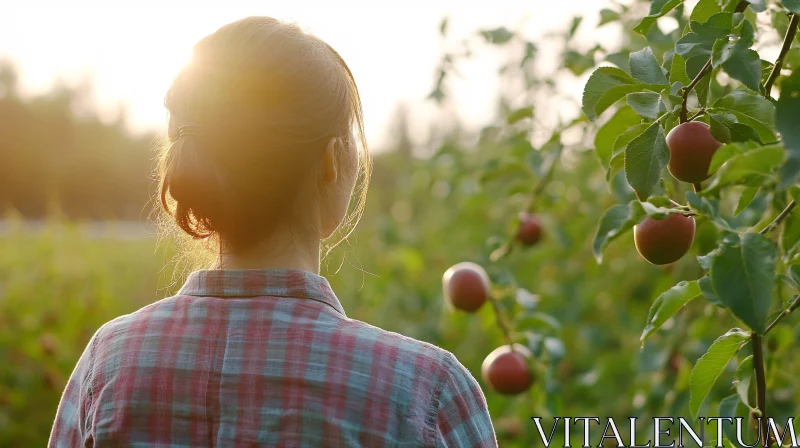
pixel 140 319
pixel 424 356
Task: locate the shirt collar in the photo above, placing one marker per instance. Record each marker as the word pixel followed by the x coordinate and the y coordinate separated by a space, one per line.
pixel 233 283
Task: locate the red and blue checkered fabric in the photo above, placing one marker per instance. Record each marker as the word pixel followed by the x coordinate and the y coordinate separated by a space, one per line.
pixel 264 358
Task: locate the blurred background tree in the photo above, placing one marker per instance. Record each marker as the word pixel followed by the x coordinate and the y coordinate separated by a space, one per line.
pixel 55 160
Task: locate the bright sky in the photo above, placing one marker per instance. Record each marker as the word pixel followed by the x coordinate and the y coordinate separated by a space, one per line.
pixel 131 54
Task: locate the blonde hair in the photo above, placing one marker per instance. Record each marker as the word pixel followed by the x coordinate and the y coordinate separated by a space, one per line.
pixel 264 98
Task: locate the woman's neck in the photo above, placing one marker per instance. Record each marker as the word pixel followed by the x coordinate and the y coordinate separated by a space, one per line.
pixel 288 254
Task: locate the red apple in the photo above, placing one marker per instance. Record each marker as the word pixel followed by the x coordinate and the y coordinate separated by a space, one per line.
pixel 529 231
pixel 507 371
pixel 691 147
pixel 466 286
pixel 666 240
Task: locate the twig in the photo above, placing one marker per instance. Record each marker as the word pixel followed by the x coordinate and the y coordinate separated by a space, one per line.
pixel 544 180
pixel 779 218
pixel 761 387
pixel 684 115
pixel 791 32
pixel 501 323
pixel 508 246
pixel 793 306
pixel 697 187
pixel 699 112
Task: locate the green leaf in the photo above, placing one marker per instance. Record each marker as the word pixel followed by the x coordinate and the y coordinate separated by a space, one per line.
pixel 727 408
pixel 742 272
pixel 753 168
pixel 792 5
pixel 743 133
pixel 709 367
pixel 789 281
pixel 693 67
pixel 742 379
pixel 645 67
pixel 705 260
pixel 790 235
pixel 693 44
pixel 495 170
pixel 667 304
pixel 707 289
pixel 576 22
pixel 677 71
pixel 624 119
pixel 751 109
pixel 794 271
pixel 658 211
pixel 738 132
pixel 717 26
pixel 695 64
pixel 744 65
pixel 707 207
pixel 792 59
pixel 645 104
pixel 746 34
pixel 787 112
pixel 530 54
pixel 658 8
pixel 723 154
pixel 615 221
pixel 606 86
pixel 620 144
pixel 704 10
pixel 719 130
pixel 794 192
pixel 577 63
pixel 745 199
pixel 607 16
pixel 536 319
pixel 645 158
pixel 497 36
pixel 722 51
pixel 520 114
pixel 702 90
pixel 620 59
pixel 766 69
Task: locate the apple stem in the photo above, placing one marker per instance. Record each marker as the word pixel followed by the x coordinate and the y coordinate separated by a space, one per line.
pixel 501 323
pixel 791 32
pixel 697 187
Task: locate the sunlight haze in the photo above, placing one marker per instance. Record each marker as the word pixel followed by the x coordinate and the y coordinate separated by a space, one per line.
pixel 128 56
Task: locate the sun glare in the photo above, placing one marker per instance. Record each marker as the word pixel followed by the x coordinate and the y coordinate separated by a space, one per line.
pixel 129 56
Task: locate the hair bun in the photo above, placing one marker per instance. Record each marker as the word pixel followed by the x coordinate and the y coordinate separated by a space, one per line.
pixel 192 184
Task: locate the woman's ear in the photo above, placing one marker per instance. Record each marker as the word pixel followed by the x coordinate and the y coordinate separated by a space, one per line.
pixel 330 170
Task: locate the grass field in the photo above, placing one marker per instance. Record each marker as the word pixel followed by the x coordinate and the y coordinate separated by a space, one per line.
pixel 59 283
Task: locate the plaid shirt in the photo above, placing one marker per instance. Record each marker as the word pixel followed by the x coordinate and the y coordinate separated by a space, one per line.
pixel 264 358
